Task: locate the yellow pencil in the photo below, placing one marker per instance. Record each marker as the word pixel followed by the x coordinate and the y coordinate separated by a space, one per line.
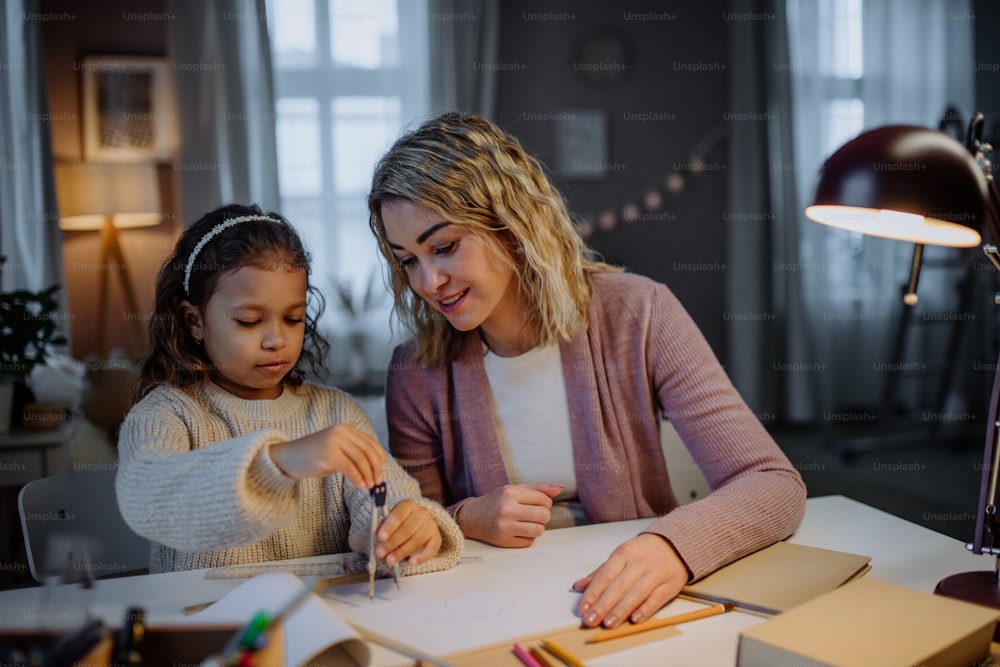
pixel 626 630
pixel 562 654
pixel 537 654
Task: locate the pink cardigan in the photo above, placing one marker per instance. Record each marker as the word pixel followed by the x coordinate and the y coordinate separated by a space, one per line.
pixel 640 357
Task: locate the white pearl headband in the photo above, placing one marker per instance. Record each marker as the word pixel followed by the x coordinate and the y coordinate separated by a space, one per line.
pixel 211 234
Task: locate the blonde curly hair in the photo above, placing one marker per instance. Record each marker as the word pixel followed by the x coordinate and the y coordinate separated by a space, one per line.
pixel 473 174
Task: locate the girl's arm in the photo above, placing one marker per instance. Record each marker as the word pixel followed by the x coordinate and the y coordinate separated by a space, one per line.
pixel 220 496
pixel 399 486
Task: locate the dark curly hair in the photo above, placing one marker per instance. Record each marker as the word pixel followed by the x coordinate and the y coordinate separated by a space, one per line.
pixel 174 357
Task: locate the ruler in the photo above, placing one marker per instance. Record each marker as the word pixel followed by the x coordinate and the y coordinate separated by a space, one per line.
pixel 340 565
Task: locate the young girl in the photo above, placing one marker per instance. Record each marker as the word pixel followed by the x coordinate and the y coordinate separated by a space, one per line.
pixel 228 456
pixel 536 374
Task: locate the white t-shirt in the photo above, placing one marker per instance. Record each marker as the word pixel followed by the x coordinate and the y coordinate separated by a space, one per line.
pixel 531 413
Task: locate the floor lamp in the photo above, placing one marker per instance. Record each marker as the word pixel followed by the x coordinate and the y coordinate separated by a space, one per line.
pixel 108 198
pixel 919 185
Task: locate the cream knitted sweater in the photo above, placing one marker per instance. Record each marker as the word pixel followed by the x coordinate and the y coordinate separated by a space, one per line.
pixel 195 477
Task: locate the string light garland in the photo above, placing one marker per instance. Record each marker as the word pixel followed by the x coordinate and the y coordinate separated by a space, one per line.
pixel 672 184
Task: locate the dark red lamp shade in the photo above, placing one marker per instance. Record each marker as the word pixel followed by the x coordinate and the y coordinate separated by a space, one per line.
pixel 904 182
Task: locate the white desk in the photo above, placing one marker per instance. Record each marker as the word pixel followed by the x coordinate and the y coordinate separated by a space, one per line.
pixel 480 602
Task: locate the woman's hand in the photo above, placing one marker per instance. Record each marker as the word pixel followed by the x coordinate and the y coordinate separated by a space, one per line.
pixel 341 448
pixel 642 575
pixel 408 532
pixel 511 516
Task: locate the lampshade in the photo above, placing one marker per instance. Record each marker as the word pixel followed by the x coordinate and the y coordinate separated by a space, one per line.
pixel 904 182
pixel 91 193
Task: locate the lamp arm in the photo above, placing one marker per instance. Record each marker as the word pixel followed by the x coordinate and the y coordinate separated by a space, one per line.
pixel 992 218
pixel 910 296
pixel 987 519
pixel 986 516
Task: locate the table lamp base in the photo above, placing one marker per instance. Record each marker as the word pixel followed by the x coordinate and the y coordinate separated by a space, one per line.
pixel 981 588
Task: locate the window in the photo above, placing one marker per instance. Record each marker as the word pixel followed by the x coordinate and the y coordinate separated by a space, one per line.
pixel 856 65
pixel 349 76
pixel 834 65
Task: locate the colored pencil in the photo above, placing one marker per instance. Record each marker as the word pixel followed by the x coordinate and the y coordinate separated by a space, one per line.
pixel 524 656
pixel 540 656
pixel 562 654
pixel 653 624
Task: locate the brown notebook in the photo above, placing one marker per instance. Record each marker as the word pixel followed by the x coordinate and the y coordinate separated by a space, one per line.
pixel 779 577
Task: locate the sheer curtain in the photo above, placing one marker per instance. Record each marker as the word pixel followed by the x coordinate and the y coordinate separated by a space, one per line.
pixel 856 65
pixel 225 103
pixel 463 32
pixel 29 233
pixel 758 299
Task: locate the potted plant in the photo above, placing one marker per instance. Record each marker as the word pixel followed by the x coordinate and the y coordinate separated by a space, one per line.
pixel 27 329
pixel 356 310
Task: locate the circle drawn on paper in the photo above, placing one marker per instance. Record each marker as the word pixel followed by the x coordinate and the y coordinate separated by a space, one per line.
pixel 479 605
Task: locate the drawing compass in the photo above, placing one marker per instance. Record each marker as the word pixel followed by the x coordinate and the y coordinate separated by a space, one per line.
pixel 378 493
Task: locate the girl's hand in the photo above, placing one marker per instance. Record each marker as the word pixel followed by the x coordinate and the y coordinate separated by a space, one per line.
pixel 341 448
pixel 642 575
pixel 511 516
pixel 409 531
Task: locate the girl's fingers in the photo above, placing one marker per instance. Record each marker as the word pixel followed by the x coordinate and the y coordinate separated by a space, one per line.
pixel 363 460
pixel 417 547
pixel 408 531
pixel 426 551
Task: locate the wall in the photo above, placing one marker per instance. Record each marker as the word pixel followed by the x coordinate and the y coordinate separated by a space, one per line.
pixel 987 68
pixel 672 97
pixel 116 27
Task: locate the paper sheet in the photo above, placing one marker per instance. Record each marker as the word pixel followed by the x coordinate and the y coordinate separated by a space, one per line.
pixel 313 632
pixel 473 606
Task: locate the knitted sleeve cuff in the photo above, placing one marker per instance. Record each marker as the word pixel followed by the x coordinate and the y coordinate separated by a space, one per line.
pixel 452 541
pixel 264 473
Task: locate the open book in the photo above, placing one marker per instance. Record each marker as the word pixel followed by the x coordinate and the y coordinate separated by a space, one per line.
pixel 312 633
pixel 779 577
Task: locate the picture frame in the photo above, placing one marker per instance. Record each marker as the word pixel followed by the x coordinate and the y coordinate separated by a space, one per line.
pixel 128 109
pixel 582 144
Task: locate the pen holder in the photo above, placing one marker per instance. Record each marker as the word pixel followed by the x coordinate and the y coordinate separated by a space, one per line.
pixel 164 646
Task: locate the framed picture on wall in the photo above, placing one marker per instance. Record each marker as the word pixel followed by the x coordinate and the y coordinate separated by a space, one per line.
pixel 582 144
pixel 128 109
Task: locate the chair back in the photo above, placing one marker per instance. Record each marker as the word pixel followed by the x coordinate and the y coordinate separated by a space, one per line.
pixel 73 529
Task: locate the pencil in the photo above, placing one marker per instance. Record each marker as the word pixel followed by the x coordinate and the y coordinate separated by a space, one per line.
pixel 626 630
pixel 561 653
pixel 527 658
pixel 539 655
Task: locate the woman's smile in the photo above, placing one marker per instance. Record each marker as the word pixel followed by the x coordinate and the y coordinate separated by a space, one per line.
pixel 450 303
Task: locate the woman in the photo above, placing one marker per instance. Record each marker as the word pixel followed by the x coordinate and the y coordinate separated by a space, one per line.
pixel 532 390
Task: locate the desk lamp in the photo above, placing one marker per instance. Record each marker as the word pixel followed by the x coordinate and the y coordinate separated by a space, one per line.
pixel 915 184
pixel 107 198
